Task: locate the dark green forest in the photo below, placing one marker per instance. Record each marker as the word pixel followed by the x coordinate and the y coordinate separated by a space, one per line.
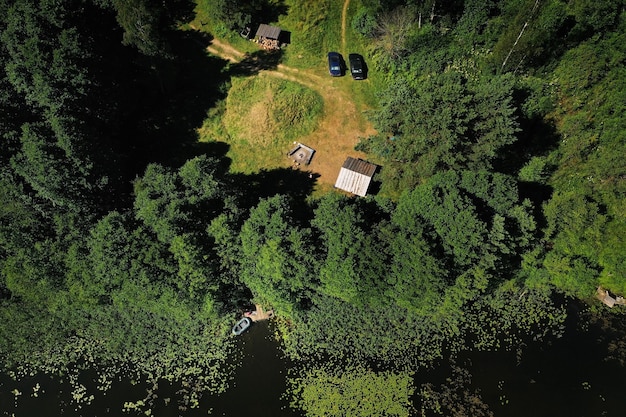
pixel 123 240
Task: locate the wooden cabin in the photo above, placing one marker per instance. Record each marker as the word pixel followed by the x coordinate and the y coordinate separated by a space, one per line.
pixel 355 176
pixel 268 37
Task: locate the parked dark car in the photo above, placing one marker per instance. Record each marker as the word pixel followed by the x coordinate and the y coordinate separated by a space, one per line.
pixel 335 64
pixel 358 69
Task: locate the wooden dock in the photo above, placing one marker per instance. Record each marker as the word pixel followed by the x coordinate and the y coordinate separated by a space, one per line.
pixel 608 299
pixel 259 314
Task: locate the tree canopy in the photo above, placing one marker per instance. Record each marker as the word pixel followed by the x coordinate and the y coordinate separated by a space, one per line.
pixel 499 129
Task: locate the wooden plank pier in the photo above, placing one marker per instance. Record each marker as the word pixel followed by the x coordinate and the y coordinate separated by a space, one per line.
pixel 259 314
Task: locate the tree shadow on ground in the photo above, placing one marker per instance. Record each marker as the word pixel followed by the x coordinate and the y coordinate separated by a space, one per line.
pixel 267 183
pixel 263 11
pixel 166 101
pixel 256 62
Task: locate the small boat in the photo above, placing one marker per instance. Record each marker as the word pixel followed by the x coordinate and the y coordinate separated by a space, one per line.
pixel 241 326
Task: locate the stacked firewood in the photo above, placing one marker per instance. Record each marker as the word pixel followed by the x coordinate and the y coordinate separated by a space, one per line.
pixel 269 43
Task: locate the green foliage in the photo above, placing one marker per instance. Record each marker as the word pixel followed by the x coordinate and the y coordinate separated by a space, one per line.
pixel 595 16
pixel 50 173
pixel 234 14
pixel 442 122
pixel 474 217
pixel 146 24
pixel 335 329
pixel 364 22
pixel 578 224
pixel 115 252
pixel 354 257
pixel 171 203
pixel 454 261
pixel 393 32
pixel 416 277
pixel 315 29
pixel 140 21
pixel 47 67
pixel 586 213
pixel 20 223
pixel 353 391
pixel 535 170
pixel 278 256
pixel 510 314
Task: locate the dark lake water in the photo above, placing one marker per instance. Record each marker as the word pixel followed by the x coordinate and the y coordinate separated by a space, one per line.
pixel 568 377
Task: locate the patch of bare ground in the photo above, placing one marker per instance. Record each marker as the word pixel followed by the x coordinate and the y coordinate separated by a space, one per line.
pixel 225 51
pixel 344 18
pixel 339 128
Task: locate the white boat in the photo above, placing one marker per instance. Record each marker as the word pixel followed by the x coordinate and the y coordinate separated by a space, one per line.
pixel 241 326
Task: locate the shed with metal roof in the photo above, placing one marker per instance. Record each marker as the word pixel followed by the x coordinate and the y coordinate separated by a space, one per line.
pixel 355 176
pixel 267 32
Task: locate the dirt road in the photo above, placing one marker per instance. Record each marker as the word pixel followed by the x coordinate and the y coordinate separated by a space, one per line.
pixel 340 126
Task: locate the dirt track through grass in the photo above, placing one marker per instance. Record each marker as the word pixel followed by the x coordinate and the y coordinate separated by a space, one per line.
pixel 344 18
pixel 340 126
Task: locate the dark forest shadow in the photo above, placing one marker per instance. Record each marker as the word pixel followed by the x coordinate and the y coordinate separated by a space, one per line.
pixel 537 137
pixel 265 11
pixel 267 183
pixel 165 101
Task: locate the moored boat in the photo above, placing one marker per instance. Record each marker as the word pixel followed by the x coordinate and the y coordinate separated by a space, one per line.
pixel 241 326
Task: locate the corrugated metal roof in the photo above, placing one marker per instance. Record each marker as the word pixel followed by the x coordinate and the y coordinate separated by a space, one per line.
pixel 355 176
pixel 267 31
pixel 360 166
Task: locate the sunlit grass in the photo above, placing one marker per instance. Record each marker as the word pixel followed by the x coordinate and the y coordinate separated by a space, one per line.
pixel 315 27
pixel 260 119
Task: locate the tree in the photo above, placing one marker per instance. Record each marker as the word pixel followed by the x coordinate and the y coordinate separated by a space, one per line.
pixel 585 215
pixel 47 170
pixel 278 260
pixel 147 24
pixel 116 250
pixel 47 67
pixel 474 222
pixel 442 122
pixel 392 33
pixel 171 203
pixel 354 258
pixel 416 279
pixel 197 275
pixel 234 14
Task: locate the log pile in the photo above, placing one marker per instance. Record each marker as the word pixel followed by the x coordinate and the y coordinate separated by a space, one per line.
pixel 269 44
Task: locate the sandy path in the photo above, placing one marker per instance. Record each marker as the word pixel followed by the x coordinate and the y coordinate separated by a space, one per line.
pixel 344 18
pixel 341 124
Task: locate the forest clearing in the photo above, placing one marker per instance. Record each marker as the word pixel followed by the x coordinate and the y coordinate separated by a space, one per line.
pixel 150 194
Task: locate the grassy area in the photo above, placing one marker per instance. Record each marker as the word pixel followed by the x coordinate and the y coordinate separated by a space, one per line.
pixel 261 117
pixel 263 114
pixel 364 92
pixel 315 27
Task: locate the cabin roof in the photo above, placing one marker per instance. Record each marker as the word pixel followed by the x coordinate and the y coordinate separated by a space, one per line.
pixel 267 31
pixel 355 176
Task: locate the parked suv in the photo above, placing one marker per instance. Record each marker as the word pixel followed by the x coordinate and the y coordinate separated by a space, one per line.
pixel 357 67
pixel 335 64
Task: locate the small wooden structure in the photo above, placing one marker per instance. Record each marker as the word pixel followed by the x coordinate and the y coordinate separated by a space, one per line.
pixel 355 176
pixel 268 36
pixel 606 297
pixel 259 314
pixel 301 154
